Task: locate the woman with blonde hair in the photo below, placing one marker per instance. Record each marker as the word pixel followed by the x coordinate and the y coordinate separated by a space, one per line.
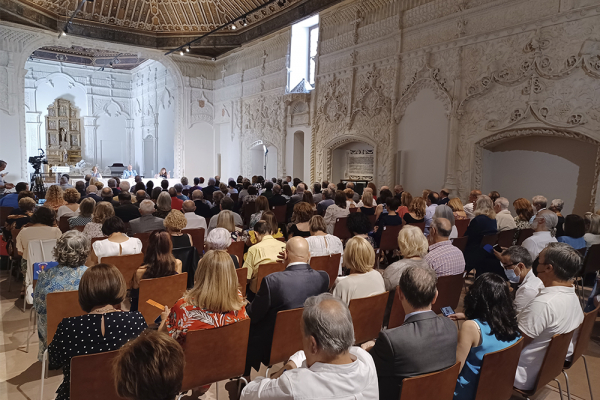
pixel 320 243
pixel 226 220
pixel 524 212
pixel 174 223
pixel 261 204
pixel 457 208
pixel 366 203
pixel 363 281
pixel 482 225
pixel 405 200
pixel 95 173
pixel 54 198
pixel 71 208
pixel 413 247
pixel 416 211
pixel 163 205
pixel 103 211
pixel 349 198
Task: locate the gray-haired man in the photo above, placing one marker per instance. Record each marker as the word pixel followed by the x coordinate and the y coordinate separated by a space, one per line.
pixel 329 366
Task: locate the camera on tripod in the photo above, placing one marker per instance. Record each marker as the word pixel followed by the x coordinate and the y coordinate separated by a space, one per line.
pixel 37 161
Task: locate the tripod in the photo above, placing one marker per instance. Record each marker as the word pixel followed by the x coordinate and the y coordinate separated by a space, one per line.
pixel 37 184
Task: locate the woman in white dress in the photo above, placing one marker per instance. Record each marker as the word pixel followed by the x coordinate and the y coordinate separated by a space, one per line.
pixel 117 243
pixel 320 243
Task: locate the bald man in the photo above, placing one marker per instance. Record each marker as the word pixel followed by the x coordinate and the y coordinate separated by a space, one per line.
pixel 193 221
pixel 471 204
pixel 281 291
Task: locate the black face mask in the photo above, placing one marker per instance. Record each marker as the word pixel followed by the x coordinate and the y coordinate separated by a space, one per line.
pixel 535 265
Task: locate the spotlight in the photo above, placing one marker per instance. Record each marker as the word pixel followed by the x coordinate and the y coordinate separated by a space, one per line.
pixel 64 32
pixel 233 27
pixel 187 49
pixel 180 52
pixel 244 22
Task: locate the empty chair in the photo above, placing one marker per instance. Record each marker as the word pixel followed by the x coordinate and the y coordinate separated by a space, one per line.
pixel 505 238
pixel 242 275
pixel 144 238
pixel 449 290
pixel 127 265
pixel 460 242
pixel 497 373
pixel 92 377
pixel 435 386
pixel 389 237
pixel 266 269
pixel 341 229
pixel 166 291
pixel 280 213
pixel 367 316
pixel 329 264
pixel 287 336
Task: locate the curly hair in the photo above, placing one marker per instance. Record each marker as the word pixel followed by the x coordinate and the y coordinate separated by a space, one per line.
pixel 303 212
pixel 72 249
pixel 523 209
pixel 455 204
pixel 358 223
pixel 102 212
pixel 489 300
pixel 412 242
pixel 54 196
pixel 417 206
pixel 71 196
pixel 27 204
pixel 44 215
pixel 175 221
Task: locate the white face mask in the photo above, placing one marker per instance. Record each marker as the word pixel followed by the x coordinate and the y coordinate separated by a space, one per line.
pixel 512 275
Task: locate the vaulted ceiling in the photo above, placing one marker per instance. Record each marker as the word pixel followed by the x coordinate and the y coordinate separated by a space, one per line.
pixel 164 24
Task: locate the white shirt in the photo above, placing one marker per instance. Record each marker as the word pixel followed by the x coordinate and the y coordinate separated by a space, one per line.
pixel 429 211
pixel 529 288
pixel 469 210
pixel 555 310
pixel 195 222
pixel 505 221
pixel 324 246
pixel 357 380
pixel 237 220
pixel 64 211
pixel 591 239
pixel 106 248
pixel 537 242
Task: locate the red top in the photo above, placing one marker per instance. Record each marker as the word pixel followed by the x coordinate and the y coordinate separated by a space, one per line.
pixel 176 203
pixel 186 317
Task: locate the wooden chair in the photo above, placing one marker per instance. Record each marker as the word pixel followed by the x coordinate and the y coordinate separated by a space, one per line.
pixel 287 336
pixel 367 316
pixel 341 229
pixel 59 305
pixel 80 228
pixel 226 349
pixel 371 219
pixel 591 264
pixel 197 235
pixel 460 242
pixel 449 290
pixel 461 226
pixel 145 239
pixel 237 249
pixel 353 210
pixel 248 211
pixel 497 373
pixel 489 239
pixel 165 291
pixel 523 234
pixel 279 212
pixel 389 237
pixel 435 386
pixel 4 212
pixel 235 197
pixel 329 264
pixel 127 264
pixel 552 365
pixel 63 224
pixel 92 377
pixel 267 269
pixel 242 275
pixel 505 238
pixel 420 225
pixel 583 340
pixel 397 313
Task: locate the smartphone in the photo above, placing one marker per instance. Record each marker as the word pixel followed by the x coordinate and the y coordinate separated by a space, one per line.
pixel 498 248
pixel 41 201
pixel 447 311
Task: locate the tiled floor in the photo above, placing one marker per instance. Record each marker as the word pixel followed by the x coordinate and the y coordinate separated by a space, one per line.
pixel 20 371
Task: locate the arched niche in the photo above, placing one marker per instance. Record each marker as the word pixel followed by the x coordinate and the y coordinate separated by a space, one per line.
pixel 518 163
pixel 263 159
pixel 352 159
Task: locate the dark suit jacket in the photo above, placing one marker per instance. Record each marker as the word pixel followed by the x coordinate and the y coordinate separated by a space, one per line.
pixel 424 343
pixel 127 212
pixel 202 209
pixel 279 291
pixel 91 196
pixel 277 200
pixel 115 204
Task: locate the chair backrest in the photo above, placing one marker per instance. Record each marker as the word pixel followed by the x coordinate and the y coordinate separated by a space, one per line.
pixel 80 228
pixel 63 224
pixel 461 226
pixel 237 249
pixel 449 290
pixel 341 230
pixel 280 212
pixel 226 349
pixel 92 377
pixel 127 264
pixel 145 239
pixel 584 335
pixel 60 305
pixel 460 242
pixel 235 197
pixel 371 219
pixel 165 291
pixel 397 313
pixel 4 212
pixel 420 225
pixel 287 335
pixel 329 264
pixel 39 251
pixel 197 235
pixel 554 360
pixel 497 373
pixel 591 262
pixel 248 211
pixel 189 262
pixel 489 239
pixel 505 238
pixel 353 210
pixel 367 316
pixel 242 275
pixel 389 237
pixel 435 386
pixel 266 269
pixel 524 234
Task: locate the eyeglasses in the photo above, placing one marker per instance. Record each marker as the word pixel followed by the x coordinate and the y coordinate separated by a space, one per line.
pixel 509 265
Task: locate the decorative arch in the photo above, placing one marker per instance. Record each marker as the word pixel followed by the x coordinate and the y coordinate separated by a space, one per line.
pixel 543 131
pixel 342 140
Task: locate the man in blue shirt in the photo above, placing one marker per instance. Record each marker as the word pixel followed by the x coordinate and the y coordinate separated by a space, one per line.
pixel 130 172
pixel 12 199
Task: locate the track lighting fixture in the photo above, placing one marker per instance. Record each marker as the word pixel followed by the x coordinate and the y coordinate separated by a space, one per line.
pixel 187 49
pixel 180 52
pixel 233 27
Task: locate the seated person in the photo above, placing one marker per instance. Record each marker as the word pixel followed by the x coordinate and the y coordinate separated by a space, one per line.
pixel 158 263
pixel 86 211
pixel 337 210
pixel 43 227
pixel 555 310
pixel 117 243
pixel 321 243
pixel 261 204
pixel 202 206
pixel 517 263
pixel 163 205
pixel 543 224
pixel 220 239
pixel 269 218
pixel 424 343
pixel 483 224
pixel 149 368
pixel 194 221
pixel 129 172
pixel 226 220
pixel 491 325
pixel 174 223
pixel 359 225
pixel 445 258
pixel 413 247
pixel 146 222
pixel 573 232
pixel 328 367
pixel 387 219
pixel 71 208
pixel 363 281
pixel 70 252
pixel 19 219
pixel 102 212
pixel 281 291
pixel 126 211
pixel 300 217
pixel 101 291
pixel 416 211
pixel 266 250
pixel 226 204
